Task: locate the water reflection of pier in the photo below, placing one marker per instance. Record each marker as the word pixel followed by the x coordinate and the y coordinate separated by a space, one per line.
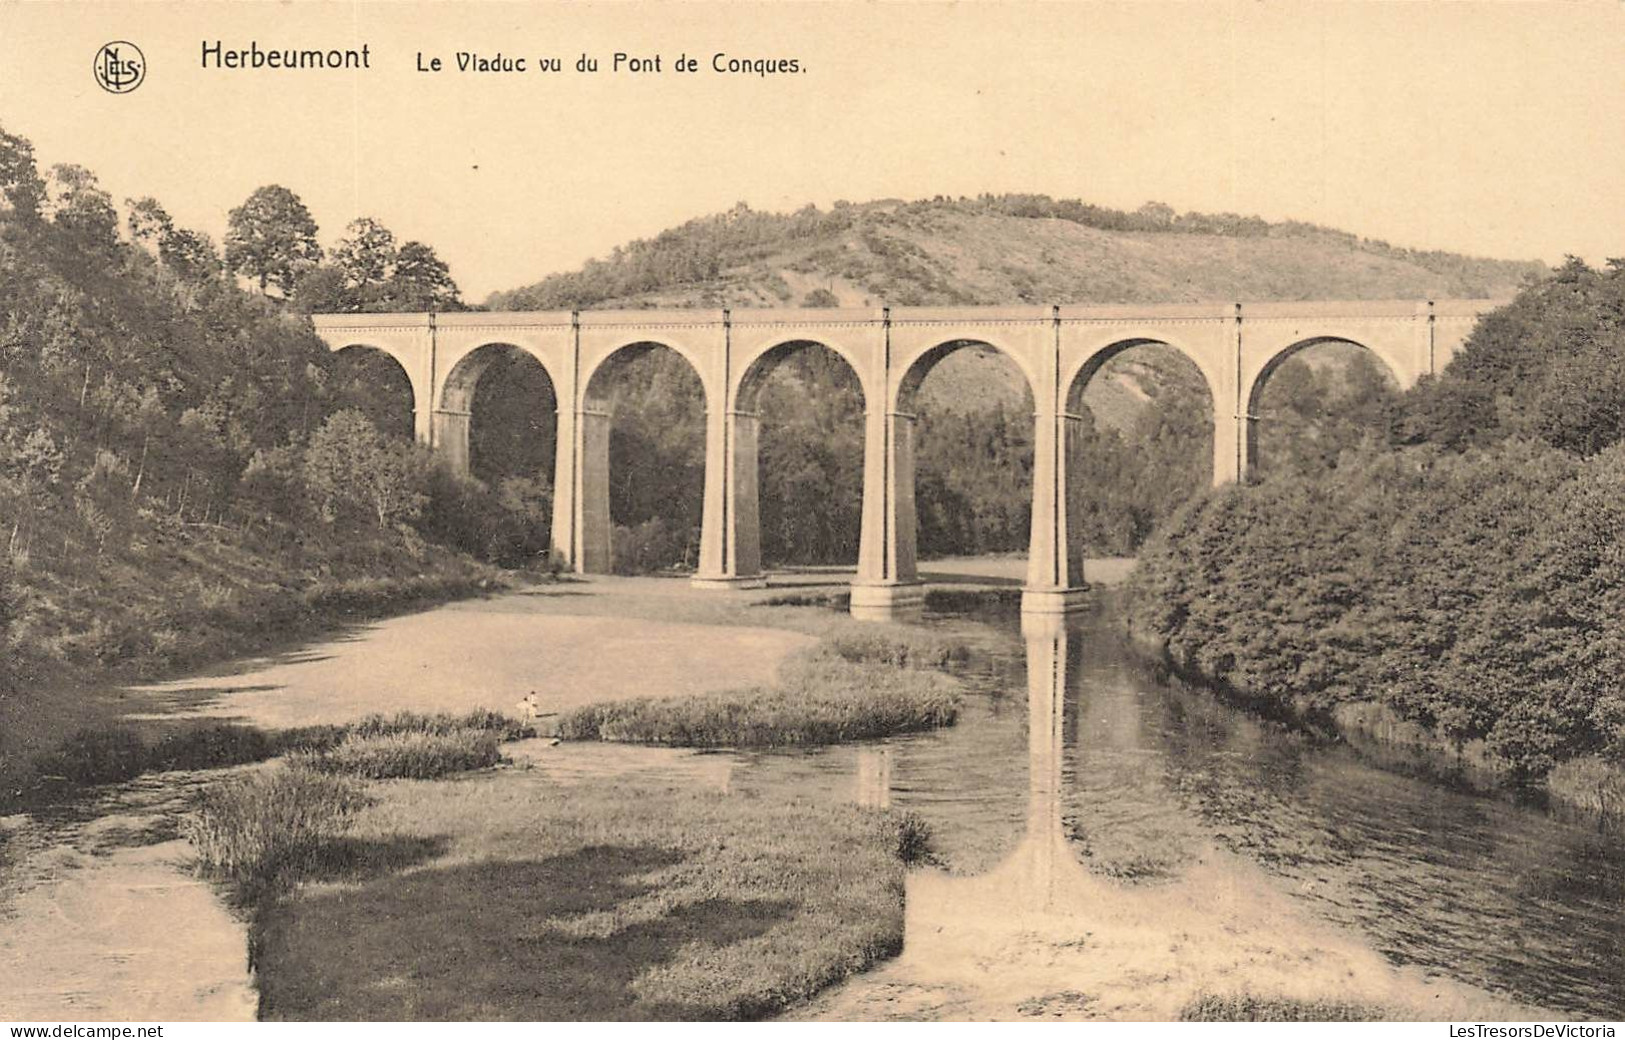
pixel 1042 873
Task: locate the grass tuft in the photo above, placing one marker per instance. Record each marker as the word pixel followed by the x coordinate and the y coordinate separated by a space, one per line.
pixel 896 645
pixel 262 832
pixel 114 754
pixel 322 738
pixel 405 754
pixel 1248 1007
pixel 822 699
pixel 913 839
pixel 862 682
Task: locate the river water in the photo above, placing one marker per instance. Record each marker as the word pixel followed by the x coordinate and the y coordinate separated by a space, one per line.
pixel 1067 730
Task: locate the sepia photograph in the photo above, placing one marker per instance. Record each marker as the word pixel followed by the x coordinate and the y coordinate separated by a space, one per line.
pixel 818 512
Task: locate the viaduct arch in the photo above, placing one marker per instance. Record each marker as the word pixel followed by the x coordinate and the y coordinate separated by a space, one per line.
pixel 1234 345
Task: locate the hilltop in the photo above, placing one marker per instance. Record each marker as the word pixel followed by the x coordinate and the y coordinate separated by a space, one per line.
pixel 1004 250
pixel 1008 249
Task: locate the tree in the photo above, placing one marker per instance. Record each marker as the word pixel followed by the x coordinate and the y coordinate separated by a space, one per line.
pixel 347 464
pixel 421 281
pixel 80 207
pixel 1156 215
pixel 366 256
pixel 271 238
pixel 148 222
pixel 20 183
pixel 189 254
pixel 1547 365
pixel 32 464
pixel 369 274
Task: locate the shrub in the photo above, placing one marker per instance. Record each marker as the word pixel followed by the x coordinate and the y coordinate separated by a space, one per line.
pixel 1475 595
pixel 262 831
pixel 913 838
pixel 414 755
pixel 656 544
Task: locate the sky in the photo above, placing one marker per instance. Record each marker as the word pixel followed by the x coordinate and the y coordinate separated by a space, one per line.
pixel 1496 129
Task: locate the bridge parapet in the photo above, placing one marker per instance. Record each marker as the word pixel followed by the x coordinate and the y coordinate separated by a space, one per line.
pixel 794 317
pixel 336 322
pixel 970 315
pixel 1473 309
pixel 1144 313
pixel 504 319
pixel 650 319
pixel 1338 309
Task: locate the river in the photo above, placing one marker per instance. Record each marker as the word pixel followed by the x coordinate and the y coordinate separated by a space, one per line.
pixel 1090 819
pixel 1070 734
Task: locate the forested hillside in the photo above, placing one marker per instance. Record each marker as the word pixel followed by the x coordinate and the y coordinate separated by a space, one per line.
pixel 1467 576
pixel 183 466
pixel 1148 445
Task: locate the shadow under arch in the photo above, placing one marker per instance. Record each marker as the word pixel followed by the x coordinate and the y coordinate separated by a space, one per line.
pixel 373 380
pixel 816 524
pixel 498 414
pixel 642 461
pixel 1135 453
pixel 963 476
pixel 908 387
pixel 1258 406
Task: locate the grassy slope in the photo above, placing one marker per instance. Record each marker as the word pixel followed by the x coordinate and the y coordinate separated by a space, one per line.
pixel 503 897
pixel 177 596
pixel 979 258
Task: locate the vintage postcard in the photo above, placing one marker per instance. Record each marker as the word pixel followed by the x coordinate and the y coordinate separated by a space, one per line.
pixel 823 512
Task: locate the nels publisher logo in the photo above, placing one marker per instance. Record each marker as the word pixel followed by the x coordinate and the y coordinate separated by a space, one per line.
pixel 119 67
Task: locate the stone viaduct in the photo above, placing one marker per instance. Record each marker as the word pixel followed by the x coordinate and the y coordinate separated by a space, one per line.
pixel 1234 345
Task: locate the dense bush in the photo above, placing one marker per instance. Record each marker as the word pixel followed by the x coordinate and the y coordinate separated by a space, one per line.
pixel 1471 582
pixel 656 544
pixel 1550 366
pixel 1477 594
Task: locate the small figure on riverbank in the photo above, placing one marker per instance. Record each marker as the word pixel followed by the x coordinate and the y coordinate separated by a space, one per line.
pixel 528 707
